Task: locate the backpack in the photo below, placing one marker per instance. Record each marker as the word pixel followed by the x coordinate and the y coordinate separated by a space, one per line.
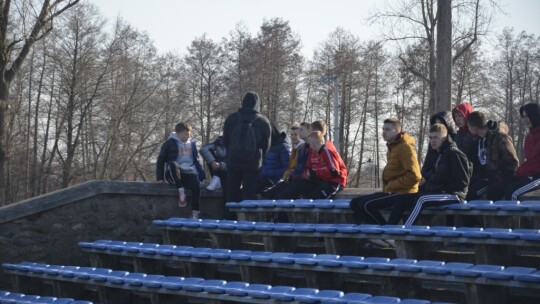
pixel 243 145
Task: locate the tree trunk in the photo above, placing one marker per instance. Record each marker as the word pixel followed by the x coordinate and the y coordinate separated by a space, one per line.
pixel 4 107
pixel 443 86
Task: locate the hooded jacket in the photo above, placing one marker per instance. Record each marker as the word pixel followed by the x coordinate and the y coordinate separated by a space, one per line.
pixel 277 158
pixel 531 146
pixel 327 165
pixel 445 117
pixel 215 151
pixel 402 172
pixel 293 160
pixel 500 159
pixel 250 112
pixel 463 138
pixel 451 171
pixel 169 153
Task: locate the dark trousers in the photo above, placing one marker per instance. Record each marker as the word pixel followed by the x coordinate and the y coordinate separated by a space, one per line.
pixel 187 181
pixel 241 185
pixel 367 208
pixel 274 191
pixel 310 189
pixel 517 186
pixel 477 189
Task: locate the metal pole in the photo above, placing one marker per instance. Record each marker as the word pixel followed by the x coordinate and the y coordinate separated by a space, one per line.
pixel 336 113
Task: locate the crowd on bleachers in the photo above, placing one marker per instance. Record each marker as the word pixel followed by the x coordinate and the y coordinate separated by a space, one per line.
pixel 469 157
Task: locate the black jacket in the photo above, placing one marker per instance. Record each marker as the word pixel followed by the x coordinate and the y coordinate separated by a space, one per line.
pixel 450 171
pixel 249 111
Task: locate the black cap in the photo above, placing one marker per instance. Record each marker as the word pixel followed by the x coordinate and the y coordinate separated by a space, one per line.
pixel 533 112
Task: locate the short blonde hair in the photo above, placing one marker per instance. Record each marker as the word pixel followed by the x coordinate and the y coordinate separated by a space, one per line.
pixel 438 127
pixel 319 125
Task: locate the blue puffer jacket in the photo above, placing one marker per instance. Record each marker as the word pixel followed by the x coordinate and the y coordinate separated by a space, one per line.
pixel 277 158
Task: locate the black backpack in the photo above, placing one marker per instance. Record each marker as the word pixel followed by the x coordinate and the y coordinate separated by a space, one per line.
pixel 243 143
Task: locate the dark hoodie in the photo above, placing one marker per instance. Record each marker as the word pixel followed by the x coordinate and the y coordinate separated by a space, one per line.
pixel 531 146
pixel 276 160
pixel 249 112
pixel 464 139
pixel 445 117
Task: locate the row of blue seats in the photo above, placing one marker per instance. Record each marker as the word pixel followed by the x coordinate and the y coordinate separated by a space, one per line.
pixel 196 287
pixel 390 231
pixel 343 204
pixel 327 263
pixel 19 298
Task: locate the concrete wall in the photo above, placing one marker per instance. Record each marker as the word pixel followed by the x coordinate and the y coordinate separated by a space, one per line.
pixel 48 228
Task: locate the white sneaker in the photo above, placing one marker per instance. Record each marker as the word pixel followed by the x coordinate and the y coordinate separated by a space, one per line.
pixel 181 197
pixel 215 183
pixel 195 214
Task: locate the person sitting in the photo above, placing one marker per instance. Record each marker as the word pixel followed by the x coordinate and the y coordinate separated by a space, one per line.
pixel 527 177
pixel 401 175
pixel 325 173
pixel 275 161
pixel 495 160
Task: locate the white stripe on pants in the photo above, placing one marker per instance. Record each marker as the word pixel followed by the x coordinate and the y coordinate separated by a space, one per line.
pixel 528 187
pixel 428 198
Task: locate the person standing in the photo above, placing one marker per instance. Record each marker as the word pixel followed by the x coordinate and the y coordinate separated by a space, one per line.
pixel 246 136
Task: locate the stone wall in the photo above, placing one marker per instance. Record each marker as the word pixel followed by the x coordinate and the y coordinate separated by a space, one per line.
pixel 48 228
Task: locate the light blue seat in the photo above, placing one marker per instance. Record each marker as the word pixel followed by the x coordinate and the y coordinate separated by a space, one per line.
pixel 477 270
pixel 320 296
pixel 298 258
pixel 172 283
pixel 391 265
pixel 293 295
pixel 212 285
pixel 532 205
pixel 210 224
pixel 260 256
pixel 419 266
pixel 328 228
pixel 532 235
pixel 473 232
pixel 304 227
pixel 165 250
pixel 192 284
pixel 279 293
pixel 280 257
pixel 304 203
pixel 511 206
pixel 353 297
pixel 99 244
pixel 182 251
pixel 483 205
pixel 116 277
pixel 220 254
pixel 98 274
pixel 531 277
pixel 134 279
pixel 68 271
pixel 68 301
pixel 242 255
pixel 267 294
pixel 266 204
pixel 421 231
pixel 381 300
pixel 371 229
pixel 115 245
pixel 132 247
pixel 53 270
pixel 227 225
pixel 284 227
pixel 342 205
pixel 396 229
pixel 447 268
pixel 148 248
pixel 245 225
pixel 501 233
pixel 328 260
pixel 254 289
pixel 284 203
pixel 264 226
pixel 192 223
pixel 348 228
pixel 352 261
pixel 508 273
pixel 324 204
pixel 366 262
pixel 82 273
pixel 152 281
pixel 201 253
pixel 413 301
pixel 231 288
pixel 445 231
pixel 160 222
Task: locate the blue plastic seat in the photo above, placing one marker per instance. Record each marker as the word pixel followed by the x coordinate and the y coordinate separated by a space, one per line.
pixel 508 273
pixel 42 300
pixel 116 277
pixel 212 285
pixel 192 223
pixel 220 254
pixel 396 229
pixel 182 251
pixel 328 228
pixel 371 229
pixel 233 204
pixel 27 299
pixel 209 224
pixel 303 258
pixel 348 228
pixel 148 248
pixel 172 283
pixel 392 264
pixel 242 255
pixel 419 266
pixel 134 279
pixel 261 256
pixel 99 274
pixel 245 225
pixel 4 293
pixel 447 268
pixel 283 258
pixel 132 247
pixel 370 261
pixel 267 294
pixel 227 225
pixel 115 245
pixel 304 203
pixel 295 294
pixel 68 301
pixel 413 301
pixel 484 205
pixel 381 300
pixel 531 277
pixel 165 250
pixel 201 253
pixel 12 297
pixel 531 205
pixel 421 231
pixel 266 203
pixel 511 206
pixel 320 296
pixel 192 284
pixel 532 235
pixel 473 232
pixel 353 297
pixel 501 233
pixel 254 289
pixel 477 270
pixel 100 244
pixel 153 281
pixel 284 203
pixel 82 273
pixel 231 288
pixel 304 227
pixel 328 260
pixel 68 271
pixel 281 293
pixel 284 227
pixel 445 231
pixel 342 205
pixel 264 226
pixel 352 261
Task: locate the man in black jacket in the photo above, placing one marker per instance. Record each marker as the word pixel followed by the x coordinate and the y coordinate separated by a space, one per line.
pixel 446 182
pixel 246 135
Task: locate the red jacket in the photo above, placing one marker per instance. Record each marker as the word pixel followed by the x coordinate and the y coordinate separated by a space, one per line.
pixel 327 165
pixel 531 147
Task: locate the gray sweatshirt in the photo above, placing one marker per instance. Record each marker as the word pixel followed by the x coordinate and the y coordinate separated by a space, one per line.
pixel 185 155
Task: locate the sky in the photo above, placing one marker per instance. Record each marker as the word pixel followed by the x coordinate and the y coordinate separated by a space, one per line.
pixel 173 24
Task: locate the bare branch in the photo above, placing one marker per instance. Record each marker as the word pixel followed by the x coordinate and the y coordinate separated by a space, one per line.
pixel 475 34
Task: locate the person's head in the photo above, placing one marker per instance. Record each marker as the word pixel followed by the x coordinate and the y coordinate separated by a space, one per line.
pixel 530 115
pixel 460 114
pixel 295 134
pixel 477 123
pixel 391 128
pixel 437 135
pixel 276 133
pixel 316 140
pixel 319 125
pixel 251 101
pixel 445 118
pixel 183 131
pixel 305 129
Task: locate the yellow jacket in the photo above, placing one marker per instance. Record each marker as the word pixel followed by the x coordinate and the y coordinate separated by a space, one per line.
pixel 293 161
pixel 402 172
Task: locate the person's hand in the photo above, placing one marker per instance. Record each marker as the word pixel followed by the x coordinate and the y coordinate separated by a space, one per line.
pixel 161 182
pixel 215 165
pixel 422 181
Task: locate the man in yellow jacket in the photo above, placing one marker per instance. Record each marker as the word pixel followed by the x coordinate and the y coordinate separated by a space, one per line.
pixel 400 176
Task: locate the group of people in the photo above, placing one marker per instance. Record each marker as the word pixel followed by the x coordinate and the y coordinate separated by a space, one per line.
pixel 468 157
pixel 476 160
pixel 253 158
